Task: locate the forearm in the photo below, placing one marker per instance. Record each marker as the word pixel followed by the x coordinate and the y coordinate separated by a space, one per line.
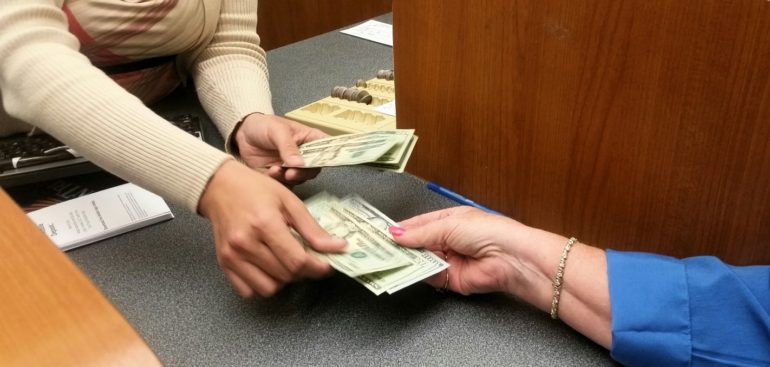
pixel 230 72
pixel 46 81
pixel 584 302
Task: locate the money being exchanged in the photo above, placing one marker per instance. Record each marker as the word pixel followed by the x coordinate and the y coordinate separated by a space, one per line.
pixel 372 258
pixel 382 149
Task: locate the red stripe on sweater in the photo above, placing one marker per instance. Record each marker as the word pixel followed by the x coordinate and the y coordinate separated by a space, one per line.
pixel 143 21
pixel 98 56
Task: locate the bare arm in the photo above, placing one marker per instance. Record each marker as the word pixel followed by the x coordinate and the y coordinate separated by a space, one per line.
pixel 489 253
pixel 584 301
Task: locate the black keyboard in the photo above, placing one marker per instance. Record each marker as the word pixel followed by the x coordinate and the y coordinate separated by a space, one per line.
pixel 189 123
pixel 20 151
pixel 26 159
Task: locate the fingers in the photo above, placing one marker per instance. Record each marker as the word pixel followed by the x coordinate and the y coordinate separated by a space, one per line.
pixel 262 272
pixel 273 141
pixel 314 269
pixel 276 172
pixel 310 230
pixel 288 251
pixel 282 138
pixel 247 279
pixel 430 235
pixel 252 217
pixel 292 176
pixel 240 286
pixel 429 230
pixel 423 219
pixel 298 176
pixel 286 139
pixel 306 133
pixel 266 258
pixel 438 280
pixel 279 258
pixel 315 134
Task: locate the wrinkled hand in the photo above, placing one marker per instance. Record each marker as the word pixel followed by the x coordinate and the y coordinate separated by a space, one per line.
pixel 477 245
pixel 269 141
pixel 492 253
pixel 251 216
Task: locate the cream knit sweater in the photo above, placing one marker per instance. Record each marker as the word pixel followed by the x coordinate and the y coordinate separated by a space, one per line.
pixel 47 82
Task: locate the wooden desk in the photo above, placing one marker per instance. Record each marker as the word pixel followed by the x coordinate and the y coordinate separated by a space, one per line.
pixel 50 313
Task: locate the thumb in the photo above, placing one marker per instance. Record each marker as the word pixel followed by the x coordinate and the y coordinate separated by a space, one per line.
pixel 312 232
pixel 283 140
pixel 427 236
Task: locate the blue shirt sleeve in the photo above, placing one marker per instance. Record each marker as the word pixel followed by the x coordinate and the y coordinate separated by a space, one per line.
pixel 696 311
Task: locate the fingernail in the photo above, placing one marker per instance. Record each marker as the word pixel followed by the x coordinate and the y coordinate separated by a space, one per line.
pixel 396 231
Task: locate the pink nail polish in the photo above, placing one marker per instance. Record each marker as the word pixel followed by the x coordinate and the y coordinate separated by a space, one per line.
pixel 396 231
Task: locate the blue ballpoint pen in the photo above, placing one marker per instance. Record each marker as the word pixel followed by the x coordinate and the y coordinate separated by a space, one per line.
pixel 443 191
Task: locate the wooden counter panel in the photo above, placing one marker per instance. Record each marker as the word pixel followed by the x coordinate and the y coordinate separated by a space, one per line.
pixel 50 313
pixel 630 125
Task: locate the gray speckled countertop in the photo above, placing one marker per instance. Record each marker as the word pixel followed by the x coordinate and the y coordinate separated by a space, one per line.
pixel 166 281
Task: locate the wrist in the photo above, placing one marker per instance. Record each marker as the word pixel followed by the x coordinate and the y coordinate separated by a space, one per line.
pixel 217 184
pixel 239 133
pixel 536 259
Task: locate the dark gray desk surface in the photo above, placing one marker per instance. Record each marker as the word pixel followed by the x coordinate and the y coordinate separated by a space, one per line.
pixel 166 281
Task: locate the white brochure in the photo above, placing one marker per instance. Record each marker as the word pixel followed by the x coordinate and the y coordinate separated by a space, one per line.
pixel 100 215
pixel 372 30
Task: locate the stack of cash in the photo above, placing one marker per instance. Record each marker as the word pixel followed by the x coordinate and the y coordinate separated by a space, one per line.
pixel 372 258
pixel 382 149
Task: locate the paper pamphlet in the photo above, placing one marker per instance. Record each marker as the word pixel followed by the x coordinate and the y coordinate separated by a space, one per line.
pixel 100 215
pixel 372 30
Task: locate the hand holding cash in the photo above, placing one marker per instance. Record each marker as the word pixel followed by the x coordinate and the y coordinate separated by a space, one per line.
pixel 382 149
pixel 371 258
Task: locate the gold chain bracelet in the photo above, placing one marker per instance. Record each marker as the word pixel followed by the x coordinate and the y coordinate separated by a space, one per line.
pixel 557 279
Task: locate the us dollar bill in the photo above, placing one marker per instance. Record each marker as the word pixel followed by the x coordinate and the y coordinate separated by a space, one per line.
pixel 381 149
pixel 399 165
pixel 424 263
pixel 413 264
pixel 394 154
pixel 365 253
pixel 345 154
pixel 339 139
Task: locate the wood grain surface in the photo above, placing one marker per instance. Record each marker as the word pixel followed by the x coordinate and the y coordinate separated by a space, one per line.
pixel 50 313
pixel 282 22
pixel 639 125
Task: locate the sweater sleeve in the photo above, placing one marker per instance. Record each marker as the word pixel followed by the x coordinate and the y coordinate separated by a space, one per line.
pixel 230 72
pixel 692 312
pixel 46 82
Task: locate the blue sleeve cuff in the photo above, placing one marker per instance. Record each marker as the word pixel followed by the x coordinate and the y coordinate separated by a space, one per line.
pixel 696 311
pixel 650 309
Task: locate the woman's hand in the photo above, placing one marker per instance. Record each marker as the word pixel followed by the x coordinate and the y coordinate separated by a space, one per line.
pixel 491 253
pixel 270 141
pixel 252 217
pixel 478 246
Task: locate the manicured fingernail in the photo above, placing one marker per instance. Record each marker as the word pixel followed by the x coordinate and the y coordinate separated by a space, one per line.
pixel 396 231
